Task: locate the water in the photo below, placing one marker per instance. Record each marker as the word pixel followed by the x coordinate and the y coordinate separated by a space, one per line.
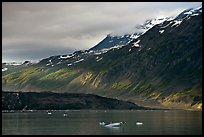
pixel 157 122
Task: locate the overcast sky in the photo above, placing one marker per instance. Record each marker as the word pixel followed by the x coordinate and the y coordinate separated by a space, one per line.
pixel 32 30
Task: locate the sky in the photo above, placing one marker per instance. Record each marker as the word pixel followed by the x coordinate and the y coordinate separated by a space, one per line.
pixel 36 30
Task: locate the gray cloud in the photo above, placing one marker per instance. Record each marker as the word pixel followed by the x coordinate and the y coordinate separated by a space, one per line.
pixel 32 30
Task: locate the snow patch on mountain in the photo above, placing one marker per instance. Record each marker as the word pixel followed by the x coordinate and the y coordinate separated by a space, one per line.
pixel 136 44
pixel 161 31
pixel 176 23
pixel 66 56
pixel 78 61
pixel 99 59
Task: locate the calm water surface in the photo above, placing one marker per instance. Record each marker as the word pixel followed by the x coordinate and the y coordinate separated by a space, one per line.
pixel 87 122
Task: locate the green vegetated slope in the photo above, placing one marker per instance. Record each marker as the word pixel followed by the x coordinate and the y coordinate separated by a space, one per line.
pixel 166 71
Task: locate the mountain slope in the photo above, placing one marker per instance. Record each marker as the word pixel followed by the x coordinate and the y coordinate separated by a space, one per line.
pixel 162 67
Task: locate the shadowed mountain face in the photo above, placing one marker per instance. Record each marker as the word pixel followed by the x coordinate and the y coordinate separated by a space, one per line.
pixel 162 68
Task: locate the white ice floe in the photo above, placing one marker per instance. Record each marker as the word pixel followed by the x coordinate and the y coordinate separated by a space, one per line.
pixel 114 124
pixel 102 123
pixel 4 69
pixel 139 123
pixel 69 64
pixel 117 124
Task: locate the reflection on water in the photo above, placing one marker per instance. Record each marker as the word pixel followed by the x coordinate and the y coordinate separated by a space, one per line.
pixel 87 122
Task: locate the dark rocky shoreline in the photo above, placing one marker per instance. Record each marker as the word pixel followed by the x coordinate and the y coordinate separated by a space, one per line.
pixel 62 101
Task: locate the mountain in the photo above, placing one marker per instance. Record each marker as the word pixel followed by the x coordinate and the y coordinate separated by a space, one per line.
pixel 160 68
pixel 189 12
pixel 112 41
pixel 115 41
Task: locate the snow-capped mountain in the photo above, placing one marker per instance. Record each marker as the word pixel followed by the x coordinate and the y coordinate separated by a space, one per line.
pixel 164 25
pixel 111 41
pixel 189 12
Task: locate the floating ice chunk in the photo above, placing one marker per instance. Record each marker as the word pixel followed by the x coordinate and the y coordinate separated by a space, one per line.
pixel 139 123
pixel 102 123
pixel 4 69
pixel 130 50
pixel 113 125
